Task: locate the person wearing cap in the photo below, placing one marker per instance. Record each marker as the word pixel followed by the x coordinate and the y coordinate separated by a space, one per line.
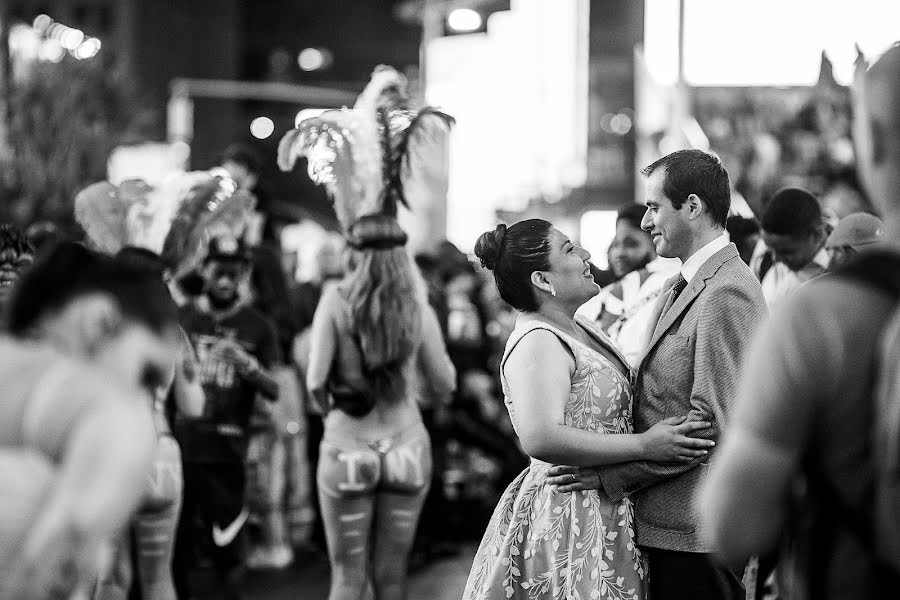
pixel 236 348
pixel 852 234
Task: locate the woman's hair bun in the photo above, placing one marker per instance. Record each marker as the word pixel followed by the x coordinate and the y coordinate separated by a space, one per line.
pixel 490 245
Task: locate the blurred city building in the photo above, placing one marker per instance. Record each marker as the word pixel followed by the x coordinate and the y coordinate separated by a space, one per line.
pixel 557 101
pixel 241 62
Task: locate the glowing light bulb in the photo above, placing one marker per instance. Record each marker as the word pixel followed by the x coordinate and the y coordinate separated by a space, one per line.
pixel 311 59
pixel 88 49
pixel 262 127
pixel 464 19
pixel 71 39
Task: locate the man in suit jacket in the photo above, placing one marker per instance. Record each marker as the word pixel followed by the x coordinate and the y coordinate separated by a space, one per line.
pixel 707 318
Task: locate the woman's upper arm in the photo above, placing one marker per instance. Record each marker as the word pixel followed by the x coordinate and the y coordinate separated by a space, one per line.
pixel 323 343
pixel 434 362
pixel 538 375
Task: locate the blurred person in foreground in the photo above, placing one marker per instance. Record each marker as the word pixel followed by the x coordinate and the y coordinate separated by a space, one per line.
pixel 568 393
pixel 376 344
pixel 707 320
pixel 624 309
pixel 159 229
pixel 95 340
pixel 794 234
pixel 805 464
pixel 16 255
pixel 853 234
pixel 236 348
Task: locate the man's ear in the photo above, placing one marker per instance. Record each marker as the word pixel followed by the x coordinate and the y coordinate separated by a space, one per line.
pixel 94 320
pixel 695 206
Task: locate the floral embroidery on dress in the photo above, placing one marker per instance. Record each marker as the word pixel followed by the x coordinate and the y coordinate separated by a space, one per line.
pixel 541 544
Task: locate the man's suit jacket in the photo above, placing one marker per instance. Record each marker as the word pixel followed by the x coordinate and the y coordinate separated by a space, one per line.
pixel 691 367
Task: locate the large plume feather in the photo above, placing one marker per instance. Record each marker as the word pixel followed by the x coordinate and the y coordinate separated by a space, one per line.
pixel 375 156
pixel 211 202
pixel 337 159
pixel 104 212
pixel 420 166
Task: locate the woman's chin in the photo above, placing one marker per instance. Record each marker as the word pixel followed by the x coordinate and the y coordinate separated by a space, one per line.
pixel 590 293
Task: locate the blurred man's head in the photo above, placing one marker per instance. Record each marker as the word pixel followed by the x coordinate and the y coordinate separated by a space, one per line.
pixel 793 227
pixel 16 255
pixel 852 234
pixel 631 248
pixel 116 315
pixel 226 270
pixel 243 164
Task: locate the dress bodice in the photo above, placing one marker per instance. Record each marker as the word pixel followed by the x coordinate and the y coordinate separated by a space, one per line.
pixel 600 395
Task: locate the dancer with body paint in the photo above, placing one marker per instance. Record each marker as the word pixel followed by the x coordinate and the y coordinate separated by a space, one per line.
pixel 375 341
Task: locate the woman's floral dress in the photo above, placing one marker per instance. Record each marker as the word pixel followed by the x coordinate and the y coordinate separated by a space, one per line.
pixel 549 545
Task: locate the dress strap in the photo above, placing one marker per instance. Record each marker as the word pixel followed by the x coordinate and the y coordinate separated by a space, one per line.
pixel 522 330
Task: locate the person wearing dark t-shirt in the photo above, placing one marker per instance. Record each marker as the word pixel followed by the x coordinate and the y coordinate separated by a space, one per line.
pixel 236 346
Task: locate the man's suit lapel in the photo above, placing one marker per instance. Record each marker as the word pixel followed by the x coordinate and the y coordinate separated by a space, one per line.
pixel 668 318
pixel 684 300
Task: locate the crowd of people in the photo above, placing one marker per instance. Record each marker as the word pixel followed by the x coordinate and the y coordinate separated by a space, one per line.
pixel 719 419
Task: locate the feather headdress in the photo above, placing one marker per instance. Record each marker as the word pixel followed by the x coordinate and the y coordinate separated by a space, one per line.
pixel 374 156
pixel 173 220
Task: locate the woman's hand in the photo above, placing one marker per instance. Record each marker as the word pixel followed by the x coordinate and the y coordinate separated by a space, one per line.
pixel 573 479
pixel 670 441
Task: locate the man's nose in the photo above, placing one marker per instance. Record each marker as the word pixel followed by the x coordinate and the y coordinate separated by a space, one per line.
pixel 647 221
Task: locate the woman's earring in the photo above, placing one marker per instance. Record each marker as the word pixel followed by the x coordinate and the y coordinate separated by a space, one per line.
pixel 552 291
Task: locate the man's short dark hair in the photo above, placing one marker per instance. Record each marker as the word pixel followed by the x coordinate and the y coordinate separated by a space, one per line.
pixel 11 237
pixel 243 155
pixel 792 211
pixel 71 271
pixel 695 172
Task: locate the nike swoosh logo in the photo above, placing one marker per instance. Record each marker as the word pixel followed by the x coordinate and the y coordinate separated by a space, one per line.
pixel 223 537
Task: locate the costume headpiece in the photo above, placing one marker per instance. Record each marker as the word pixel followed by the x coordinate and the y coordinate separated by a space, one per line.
pixel 173 220
pixel 373 157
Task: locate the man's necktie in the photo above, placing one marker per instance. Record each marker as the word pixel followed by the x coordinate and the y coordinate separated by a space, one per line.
pixel 678 287
pixel 673 295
